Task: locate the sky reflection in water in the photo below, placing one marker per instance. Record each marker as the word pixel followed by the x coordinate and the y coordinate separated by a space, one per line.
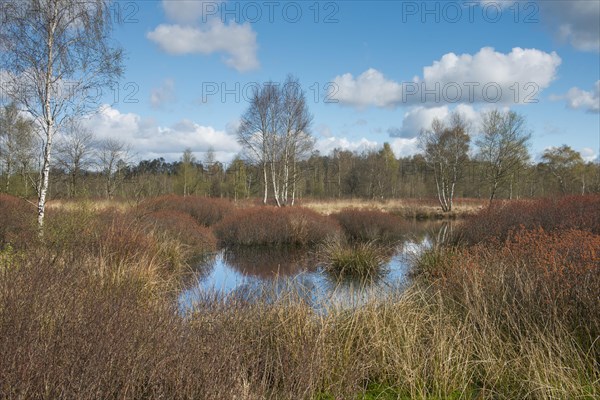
pixel 266 272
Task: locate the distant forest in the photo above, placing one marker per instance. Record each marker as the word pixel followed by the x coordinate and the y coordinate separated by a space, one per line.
pixel 342 174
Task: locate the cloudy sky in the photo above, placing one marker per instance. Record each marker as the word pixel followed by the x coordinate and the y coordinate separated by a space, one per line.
pixel 373 71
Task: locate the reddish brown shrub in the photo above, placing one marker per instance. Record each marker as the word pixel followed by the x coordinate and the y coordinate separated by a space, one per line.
pixel 185 229
pixel 550 276
pixel 579 212
pixel 64 335
pixel 370 224
pixel 121 238
pixel 117 238
pixel 206 211
pixel 278 226
pixel 567 264
pixel 497 221
pixel 17 221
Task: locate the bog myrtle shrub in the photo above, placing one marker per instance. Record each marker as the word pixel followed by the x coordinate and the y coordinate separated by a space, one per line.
pixel 497 221
pixel 184 228
pixel 206 211
pixel 275 226
pixel 17 222
pixel 370 224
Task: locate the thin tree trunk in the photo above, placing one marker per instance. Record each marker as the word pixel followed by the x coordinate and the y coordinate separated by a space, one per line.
pixel 439 191
pixel 8 168
pixel 25 181
pixel 266 183
pixel 493 191
pixel 275 185
pixel 451 203
pixel 45 173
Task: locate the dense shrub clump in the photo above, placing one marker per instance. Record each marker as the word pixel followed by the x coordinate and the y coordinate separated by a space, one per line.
pixel 183 227
pixel 370 224
pixel 546 276
pixel 17 221
pixel 275 226
pixel 206 211
pixel 496 222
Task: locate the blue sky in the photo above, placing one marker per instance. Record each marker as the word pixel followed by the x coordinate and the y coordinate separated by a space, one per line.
pixel 364 66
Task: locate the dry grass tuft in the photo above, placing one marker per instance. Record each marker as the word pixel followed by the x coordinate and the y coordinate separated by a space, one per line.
pixel 359 260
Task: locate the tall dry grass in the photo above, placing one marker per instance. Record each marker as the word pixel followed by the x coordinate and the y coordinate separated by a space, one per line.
pixel 124 246
pixel 406 208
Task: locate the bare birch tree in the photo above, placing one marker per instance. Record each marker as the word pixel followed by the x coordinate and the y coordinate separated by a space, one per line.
pixel 57 54
pixel 255 132
pixel 297 142
pixel 17 144
pixel 113 155
pixel 74 151
pixel 275 134
pixel 187 171
pixel 445 149
pixel 502 147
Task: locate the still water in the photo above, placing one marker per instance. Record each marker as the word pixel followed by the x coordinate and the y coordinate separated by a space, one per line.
pixel 269 273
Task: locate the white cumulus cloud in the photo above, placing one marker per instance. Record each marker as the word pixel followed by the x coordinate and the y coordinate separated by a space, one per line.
pixel 489 67
pixel 327 145
pixel 370 88
pixel 588 154
pixel 417 118
pixel 236 41
pixel 403 147
pixel 148 139
pixel 578 99
pixel 487 76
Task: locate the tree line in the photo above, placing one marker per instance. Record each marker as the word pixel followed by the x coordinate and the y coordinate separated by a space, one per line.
pixel 446 167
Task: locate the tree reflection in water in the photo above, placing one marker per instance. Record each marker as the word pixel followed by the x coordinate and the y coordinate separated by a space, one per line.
pixel 267 273
pixel 270 262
